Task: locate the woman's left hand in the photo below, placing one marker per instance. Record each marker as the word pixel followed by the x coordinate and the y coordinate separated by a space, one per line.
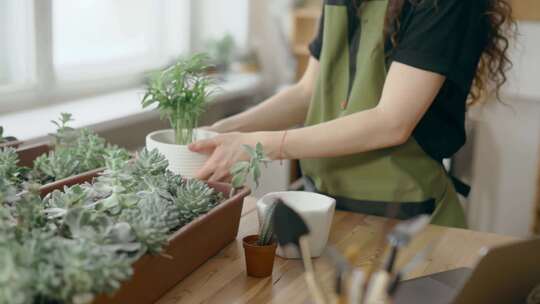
pixel 226 150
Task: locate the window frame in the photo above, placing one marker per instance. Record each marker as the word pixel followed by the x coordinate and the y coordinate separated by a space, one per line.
pixel 45 87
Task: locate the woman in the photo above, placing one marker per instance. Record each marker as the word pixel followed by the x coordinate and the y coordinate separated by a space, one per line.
pixel 383 101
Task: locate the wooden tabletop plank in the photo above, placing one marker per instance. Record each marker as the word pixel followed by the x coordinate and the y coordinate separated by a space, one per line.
pixel 223 280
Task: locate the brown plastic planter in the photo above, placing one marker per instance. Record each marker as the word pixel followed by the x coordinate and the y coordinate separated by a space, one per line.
pixel 259 259
pixel 27 155
pixel 11 142
pixel 188 249
pixel 86 177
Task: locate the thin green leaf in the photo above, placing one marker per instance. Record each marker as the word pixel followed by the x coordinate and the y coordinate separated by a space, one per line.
pixel 238 181
pixel 256 174
pixel 239 167
pixel 252 153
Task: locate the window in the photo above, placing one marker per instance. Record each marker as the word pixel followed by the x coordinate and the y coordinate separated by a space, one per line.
pixel 59 49
pixel 16 60
pixel 101 36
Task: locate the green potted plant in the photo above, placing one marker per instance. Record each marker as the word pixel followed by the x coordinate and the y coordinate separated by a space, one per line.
pixel 75 156
pixel 222 52
pixel 259 249
pixel 137 224
pixel 180 93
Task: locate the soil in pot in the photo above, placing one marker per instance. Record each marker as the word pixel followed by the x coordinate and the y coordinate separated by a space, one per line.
pixel 259 259
pixel 181 160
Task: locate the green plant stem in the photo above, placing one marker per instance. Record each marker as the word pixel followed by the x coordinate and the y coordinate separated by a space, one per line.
pixel 178 132
pixel 184 130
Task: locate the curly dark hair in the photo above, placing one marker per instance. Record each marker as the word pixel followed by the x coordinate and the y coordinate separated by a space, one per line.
pixel 495 62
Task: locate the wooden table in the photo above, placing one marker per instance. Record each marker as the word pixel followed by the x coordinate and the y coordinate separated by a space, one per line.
pixel 223 280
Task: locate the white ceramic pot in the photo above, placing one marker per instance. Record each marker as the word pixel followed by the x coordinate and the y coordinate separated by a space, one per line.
pixel 181 160
pixel 316 210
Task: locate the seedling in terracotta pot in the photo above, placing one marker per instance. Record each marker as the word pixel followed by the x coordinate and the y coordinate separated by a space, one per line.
pixel 260 250
pixel 180 94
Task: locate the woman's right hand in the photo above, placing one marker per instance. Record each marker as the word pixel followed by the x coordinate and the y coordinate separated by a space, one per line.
pixel 227 149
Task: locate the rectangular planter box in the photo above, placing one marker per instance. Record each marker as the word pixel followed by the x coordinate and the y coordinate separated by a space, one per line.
pixel 11 144
pixel 188 248
pixel 27 155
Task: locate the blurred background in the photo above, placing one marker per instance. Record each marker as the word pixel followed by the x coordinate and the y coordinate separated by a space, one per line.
pixel 91 58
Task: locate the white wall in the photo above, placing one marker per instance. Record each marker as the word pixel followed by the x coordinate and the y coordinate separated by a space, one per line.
pixel 525 77
pixel 505 166
pixel 505 144
pixel 269 35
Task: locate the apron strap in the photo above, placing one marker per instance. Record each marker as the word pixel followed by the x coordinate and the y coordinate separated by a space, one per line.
pixel 405 210
pixel 461 187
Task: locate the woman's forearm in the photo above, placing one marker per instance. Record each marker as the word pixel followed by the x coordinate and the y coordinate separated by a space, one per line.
pixel 283 110
pixel 356 133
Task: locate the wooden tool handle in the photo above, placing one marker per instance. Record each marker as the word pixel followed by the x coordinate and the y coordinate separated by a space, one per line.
pixel 314 286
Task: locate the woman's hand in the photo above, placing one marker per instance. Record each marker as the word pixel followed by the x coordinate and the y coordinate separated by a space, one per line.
pixel 227 149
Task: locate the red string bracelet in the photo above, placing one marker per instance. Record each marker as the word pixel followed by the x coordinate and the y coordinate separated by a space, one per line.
pixel 281 147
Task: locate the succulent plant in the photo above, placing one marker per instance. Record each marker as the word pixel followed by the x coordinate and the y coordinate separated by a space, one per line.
pixel 82 241
pixel 74 270
pixel 8 191
pixel 152 220
pixel 193 198
pixel 58 203
pixel 150 163
pixel 56 165
pixel 75 152
pixel 28 212
pixel 65 135
pixel 8 166
pixel 16 275
pixel 102 229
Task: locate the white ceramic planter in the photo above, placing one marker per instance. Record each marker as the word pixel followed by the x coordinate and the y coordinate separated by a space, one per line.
pixel 317 210
pixel 181 160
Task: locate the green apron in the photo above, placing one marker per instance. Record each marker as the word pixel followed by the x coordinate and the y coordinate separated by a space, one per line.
pixel 394 175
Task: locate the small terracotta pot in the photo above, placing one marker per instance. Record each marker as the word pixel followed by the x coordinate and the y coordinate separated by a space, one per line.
pixel 259 259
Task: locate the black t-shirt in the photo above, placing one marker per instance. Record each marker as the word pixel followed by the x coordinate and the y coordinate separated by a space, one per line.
pixel 447 37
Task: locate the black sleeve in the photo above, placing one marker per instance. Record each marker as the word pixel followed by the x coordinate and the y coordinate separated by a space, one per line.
pixel 315 47
pixel 435 36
